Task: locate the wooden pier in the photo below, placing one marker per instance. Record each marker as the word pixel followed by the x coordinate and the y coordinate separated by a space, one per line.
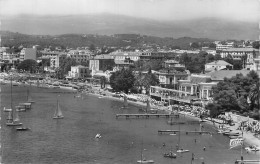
pixel 187 132
pixel 145 115
pixel 247 161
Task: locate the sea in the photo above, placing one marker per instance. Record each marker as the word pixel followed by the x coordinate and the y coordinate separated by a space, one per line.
pixel 123 141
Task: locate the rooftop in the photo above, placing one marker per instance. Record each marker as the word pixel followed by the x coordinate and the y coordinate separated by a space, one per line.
pixel 219 62
pixel 241 50
pixel 220 75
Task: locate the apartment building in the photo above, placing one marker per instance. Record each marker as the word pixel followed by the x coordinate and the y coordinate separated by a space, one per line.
pixel 79 71
pixel 28 53
pixel 55 57
pixel 80 55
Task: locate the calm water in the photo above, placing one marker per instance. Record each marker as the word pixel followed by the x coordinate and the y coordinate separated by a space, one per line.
pixel 71 140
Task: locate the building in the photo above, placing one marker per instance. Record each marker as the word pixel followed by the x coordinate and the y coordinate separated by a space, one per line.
pixel 80 55
pixel 217 65
pixel 173 64
pixel 79 71
pixel 256 63
pixel 217 76
pixel 55 57
pixel 102 62
pixel 28 53
pixel 228 45
pixel 238 53
pixel 157 55
pixel 169 78
pixel 133 56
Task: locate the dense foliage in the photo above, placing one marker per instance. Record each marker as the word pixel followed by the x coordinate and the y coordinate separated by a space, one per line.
pixel 195 63
pixel 122 80
pixel 239 93
pixel 65 66
pixel 145 81
pixel 28 65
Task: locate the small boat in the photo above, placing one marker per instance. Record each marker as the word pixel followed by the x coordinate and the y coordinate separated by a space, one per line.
pixel 98 136
pixel 170 155
pixel 182 151
pixel 234 137
pixel 145 161
pixel 222 131
pixel 252 148
pixel 232 133
pixel 13 122
pixel 7 110
pixel 29 99
pixel 58 113
pixel 22 129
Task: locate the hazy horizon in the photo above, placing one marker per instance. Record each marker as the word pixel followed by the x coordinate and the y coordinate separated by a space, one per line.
pixel 161 10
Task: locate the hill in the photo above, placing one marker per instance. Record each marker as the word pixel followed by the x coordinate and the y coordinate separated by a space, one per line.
pixel 83 40
pixel 108 24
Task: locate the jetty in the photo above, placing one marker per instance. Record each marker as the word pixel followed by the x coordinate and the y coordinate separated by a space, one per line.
pixel 187 132
pixel 146 115
pixel 247 161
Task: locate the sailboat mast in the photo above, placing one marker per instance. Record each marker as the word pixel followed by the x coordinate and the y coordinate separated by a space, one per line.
pixel 27 94
pixel 241 151
pixel 179 139
pixel 12 110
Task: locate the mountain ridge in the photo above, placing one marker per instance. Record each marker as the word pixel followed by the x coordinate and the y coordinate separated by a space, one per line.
pixel 109 24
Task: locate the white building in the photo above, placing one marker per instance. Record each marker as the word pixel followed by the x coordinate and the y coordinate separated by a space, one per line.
pixel 228 45
pixel 217 65
pixel 134 56
pixel 80 55
pixel 79 71
pixel 54 56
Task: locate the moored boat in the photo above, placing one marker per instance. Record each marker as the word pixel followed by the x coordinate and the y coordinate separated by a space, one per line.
pixel 252 148
pixel 170 155
pixel 58 114
pixel 22 129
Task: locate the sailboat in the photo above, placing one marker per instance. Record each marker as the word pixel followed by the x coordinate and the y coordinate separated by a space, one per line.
pixel 29 99
pixel 143 160
pixel 13 117
pixel 58 113
pixel 170 154
pixel 180 149
pixel 125 101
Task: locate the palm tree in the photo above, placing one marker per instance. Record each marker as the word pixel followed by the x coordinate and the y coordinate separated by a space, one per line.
pixel 254 95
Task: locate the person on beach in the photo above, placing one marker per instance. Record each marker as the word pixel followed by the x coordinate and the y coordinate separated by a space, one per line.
pixel 204 149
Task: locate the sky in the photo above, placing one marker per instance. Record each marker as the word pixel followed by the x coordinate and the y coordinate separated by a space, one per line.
pixel 244 10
